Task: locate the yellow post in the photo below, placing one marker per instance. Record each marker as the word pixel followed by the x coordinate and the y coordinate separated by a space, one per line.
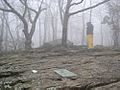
pixel 90 28
pixel 90 41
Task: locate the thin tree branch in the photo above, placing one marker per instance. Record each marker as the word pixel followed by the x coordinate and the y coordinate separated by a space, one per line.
pixel 28 6
pixel 19 15
pixel 36 17
pixel 5 10
pixel 25 1
pixel 76 3
pixel 13 10
pixel 73 13
pixel 10 6
pixel 61 11
pixel 29 15
pixel 10 32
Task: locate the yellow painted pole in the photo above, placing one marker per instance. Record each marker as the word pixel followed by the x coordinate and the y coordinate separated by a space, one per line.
pixel 90 41
pixel 90 28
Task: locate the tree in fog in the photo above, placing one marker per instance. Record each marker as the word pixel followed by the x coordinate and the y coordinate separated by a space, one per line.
pixel 65 14
pixel 54 22
pixel 29 12
pixel 1 31
pixel 113 19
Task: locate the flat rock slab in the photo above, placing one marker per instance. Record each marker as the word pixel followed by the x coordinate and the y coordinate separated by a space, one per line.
pixel 65 73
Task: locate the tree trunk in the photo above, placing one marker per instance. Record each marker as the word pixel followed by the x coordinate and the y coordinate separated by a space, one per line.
pixel 1 34
pixel 40 35
pixel 1 40
pixel 9 30
pixel 45 29
pixel 83 32
pixel 116 38
pixel 65 23
pixel 101 30
pixel 1 44
pixel 64 30
pixel 6 40
pixel 28 38
pixel 28 43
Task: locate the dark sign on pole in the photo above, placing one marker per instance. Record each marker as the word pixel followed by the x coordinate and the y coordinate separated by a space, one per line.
pixel 89 28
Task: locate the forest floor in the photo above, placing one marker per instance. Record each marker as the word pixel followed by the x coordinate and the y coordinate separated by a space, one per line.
pixel 96 69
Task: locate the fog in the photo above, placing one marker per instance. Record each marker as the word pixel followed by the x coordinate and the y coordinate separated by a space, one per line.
pixel 50 20
pixel 59 44
pixel 76 26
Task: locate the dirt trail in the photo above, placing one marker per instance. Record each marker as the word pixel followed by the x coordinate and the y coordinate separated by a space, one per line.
pixel 98 69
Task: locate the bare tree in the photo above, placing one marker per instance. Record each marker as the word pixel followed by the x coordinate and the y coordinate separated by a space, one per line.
pixel 28 32
pixel 65 15
pixel 2 31
pixel 101 30
pixel 53 22
pixel 83 22
pixel 9 31
pixel 113 20
pixel 45 28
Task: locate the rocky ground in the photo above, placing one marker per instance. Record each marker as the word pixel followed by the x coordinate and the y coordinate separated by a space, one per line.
pixel 96 69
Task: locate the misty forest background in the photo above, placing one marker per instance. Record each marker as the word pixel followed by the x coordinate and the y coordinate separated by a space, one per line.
pixel 26 24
